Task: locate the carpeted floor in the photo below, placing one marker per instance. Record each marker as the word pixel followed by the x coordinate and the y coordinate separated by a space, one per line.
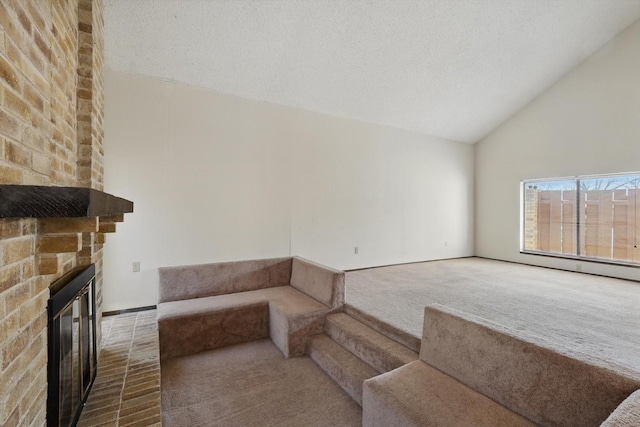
pixel 589 317
pixel 249 385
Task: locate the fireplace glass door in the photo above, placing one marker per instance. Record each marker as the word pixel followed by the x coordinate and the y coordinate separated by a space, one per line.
pixel 72 348
pixel 69 363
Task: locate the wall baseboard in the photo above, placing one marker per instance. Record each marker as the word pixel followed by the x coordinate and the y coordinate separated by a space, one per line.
pixel 128 310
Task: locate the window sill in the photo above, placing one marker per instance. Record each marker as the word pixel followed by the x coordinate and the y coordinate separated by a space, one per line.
pixel 582 258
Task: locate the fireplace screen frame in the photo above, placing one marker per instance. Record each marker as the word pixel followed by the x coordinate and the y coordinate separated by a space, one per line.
pixel 73 356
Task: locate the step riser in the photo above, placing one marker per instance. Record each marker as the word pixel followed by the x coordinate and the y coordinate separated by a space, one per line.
pixel 350 380
pixel 399 336
pixel 381 361
pixel 181 336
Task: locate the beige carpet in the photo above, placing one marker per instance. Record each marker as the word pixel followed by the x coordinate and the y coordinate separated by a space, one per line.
pixel 252 384
pixel 590 317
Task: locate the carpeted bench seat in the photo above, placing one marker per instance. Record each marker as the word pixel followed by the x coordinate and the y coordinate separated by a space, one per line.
pixel 627 414
pixel 210 306
pixel 284 313
pixel 520 373
pixel 418 395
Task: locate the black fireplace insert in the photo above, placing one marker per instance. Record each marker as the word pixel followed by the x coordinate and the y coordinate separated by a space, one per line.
pixel 72 365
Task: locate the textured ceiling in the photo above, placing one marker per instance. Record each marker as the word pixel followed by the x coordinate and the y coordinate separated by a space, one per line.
pixel 454 69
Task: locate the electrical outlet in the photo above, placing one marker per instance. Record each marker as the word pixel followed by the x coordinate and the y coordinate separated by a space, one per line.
pixel 355 250
pixel 136 266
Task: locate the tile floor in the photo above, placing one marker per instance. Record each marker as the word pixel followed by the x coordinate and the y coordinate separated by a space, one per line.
pixel 127 388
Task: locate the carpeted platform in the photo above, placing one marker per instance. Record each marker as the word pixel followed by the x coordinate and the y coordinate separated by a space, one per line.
pixel 252 384
pixel 589 318
pixel 593 318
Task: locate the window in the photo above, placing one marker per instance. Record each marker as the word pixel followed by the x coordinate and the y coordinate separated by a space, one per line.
pixel 586 217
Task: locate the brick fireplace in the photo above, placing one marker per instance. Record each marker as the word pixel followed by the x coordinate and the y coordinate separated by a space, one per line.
pixel 51 132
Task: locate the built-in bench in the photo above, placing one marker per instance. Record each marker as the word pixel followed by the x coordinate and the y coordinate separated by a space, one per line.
pixel 627 414
pixel 473 372
pixel 203 307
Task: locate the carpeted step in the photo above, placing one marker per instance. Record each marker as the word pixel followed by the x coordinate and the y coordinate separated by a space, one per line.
pixel 398 335
pixel 380 352
pixel 418 395
pixel 626 414
pixel 522 371
pixel 342 366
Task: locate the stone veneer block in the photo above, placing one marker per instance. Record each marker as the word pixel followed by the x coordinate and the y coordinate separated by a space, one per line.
pixel 50 263
pixel 113 218
pixel 322 283
pixel 59 243
pixel 198 281
pixel 516 371
pixel 68 225
pixel 106 227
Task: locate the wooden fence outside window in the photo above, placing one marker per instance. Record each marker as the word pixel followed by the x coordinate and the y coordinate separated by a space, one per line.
pixel 609 226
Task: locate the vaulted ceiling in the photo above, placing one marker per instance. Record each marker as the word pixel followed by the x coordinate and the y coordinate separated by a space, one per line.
pixel 454 69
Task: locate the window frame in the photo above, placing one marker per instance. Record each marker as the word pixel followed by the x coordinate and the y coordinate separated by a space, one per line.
pixel 578 256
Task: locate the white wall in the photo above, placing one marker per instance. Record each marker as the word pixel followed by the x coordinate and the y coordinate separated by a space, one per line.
pixel 588 123
pixel 216 177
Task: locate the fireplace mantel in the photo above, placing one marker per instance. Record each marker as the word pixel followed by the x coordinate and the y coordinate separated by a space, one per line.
pixel 33 201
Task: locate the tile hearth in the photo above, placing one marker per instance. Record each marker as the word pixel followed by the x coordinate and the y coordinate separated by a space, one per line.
pixel 127 388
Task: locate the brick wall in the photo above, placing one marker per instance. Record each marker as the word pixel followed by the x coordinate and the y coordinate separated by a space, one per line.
pixel 90 132
pixel 51 113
